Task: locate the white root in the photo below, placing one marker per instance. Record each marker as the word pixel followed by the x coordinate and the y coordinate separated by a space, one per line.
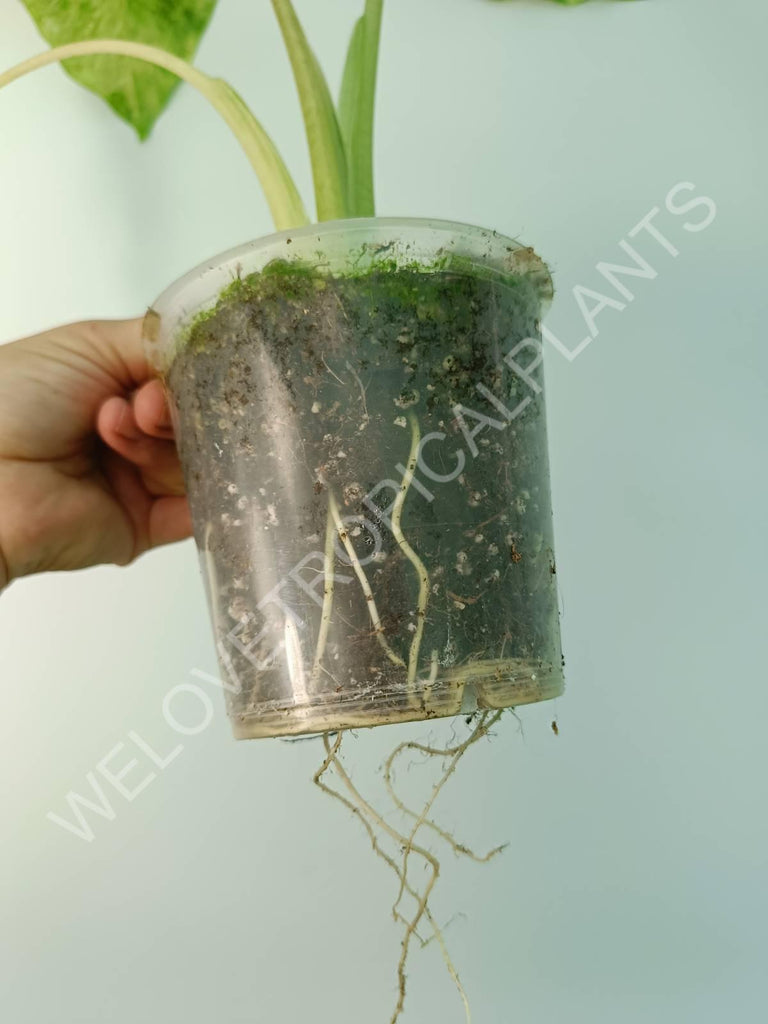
pixel 410 554
pixel 375 824
pixel 325 616
pixel 354 561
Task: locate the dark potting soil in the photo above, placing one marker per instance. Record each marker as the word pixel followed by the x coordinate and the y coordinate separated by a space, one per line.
pixel 300 392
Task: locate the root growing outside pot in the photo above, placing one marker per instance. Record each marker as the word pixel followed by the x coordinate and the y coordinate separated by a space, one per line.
pixel 378 828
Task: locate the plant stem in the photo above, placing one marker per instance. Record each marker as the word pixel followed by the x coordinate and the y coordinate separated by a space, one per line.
pixel 326 147
pixel 356 108
pixel 281 192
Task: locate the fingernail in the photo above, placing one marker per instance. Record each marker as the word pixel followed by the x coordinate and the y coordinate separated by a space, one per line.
pixel 126 426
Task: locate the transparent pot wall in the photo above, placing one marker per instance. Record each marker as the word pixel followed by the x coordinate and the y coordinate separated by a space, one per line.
pixel 360 416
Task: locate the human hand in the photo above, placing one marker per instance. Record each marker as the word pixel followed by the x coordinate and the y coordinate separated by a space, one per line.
pixel 88 467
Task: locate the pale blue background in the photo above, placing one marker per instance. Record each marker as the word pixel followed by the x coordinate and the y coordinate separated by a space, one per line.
pixel 634 889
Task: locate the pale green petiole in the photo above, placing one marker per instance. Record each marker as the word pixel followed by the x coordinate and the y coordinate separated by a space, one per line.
pixel 326 148
pixel 281 193
pixel 356 107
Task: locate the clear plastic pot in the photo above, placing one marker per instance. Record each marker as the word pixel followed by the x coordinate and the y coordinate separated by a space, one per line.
pixel 360 417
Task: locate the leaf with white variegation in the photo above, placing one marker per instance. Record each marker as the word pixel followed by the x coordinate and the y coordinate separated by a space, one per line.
pixel 138 92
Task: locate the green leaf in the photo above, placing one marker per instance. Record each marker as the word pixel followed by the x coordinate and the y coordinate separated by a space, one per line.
pixel 137 92
pixel 356 108
pixel 326 148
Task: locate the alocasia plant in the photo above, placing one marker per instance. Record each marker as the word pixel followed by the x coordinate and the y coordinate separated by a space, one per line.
pixel 132 53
